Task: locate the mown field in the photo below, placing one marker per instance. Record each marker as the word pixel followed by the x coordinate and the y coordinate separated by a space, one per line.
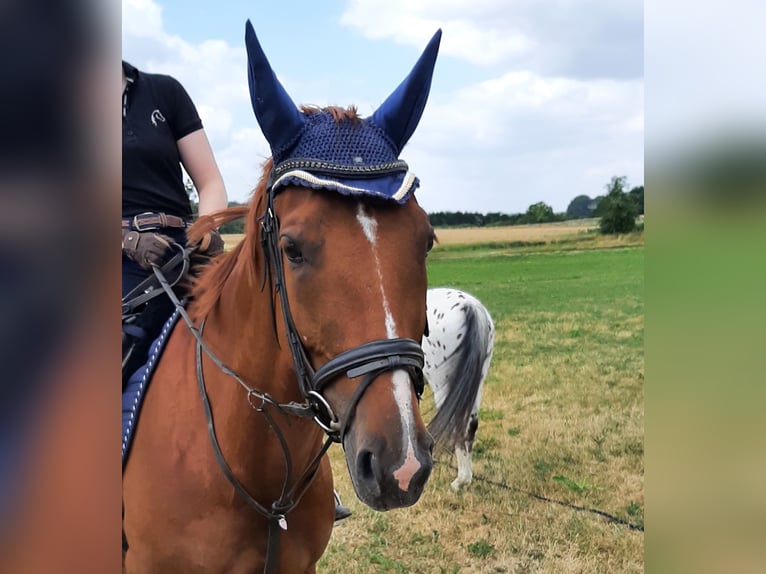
pixel 565 234
pixel 519 233
pixel 558 462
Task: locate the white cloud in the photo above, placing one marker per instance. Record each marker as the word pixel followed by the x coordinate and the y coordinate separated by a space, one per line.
pixel 600 38
pixel 521 134
pixel 141 19
pixel 521 138
pixel 213 74
pixel 413 23
pixel 559 111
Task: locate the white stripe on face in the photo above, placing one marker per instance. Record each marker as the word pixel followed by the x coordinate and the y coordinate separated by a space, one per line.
pixel 370 229
pixel 403 397
pixel 402 384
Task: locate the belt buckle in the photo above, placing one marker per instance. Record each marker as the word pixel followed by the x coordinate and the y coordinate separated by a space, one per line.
pixel 137 225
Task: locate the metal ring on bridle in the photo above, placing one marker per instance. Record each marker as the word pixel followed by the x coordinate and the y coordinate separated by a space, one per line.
pixel 253 393
pixel 323 409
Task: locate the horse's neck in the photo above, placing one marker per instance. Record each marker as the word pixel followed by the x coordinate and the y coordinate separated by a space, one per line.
pixel 242 325
pixel 241 328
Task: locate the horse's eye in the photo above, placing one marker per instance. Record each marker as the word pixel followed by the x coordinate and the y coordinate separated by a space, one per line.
pixel 292 251
pixel 430 244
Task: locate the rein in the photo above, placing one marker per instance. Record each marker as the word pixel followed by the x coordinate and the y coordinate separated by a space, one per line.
pixel 147 289
pixel 289 498
pixel 145 292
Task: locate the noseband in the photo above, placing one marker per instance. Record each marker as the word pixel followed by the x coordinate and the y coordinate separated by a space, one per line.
pixel 368 360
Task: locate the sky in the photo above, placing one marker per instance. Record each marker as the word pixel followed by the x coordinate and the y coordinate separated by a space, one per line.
pixel 532 100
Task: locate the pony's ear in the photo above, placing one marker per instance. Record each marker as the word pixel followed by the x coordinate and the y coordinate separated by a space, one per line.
pixel 278 116
pixel 400 113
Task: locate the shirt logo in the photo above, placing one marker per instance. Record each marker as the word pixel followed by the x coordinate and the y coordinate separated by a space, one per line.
pixel 157 115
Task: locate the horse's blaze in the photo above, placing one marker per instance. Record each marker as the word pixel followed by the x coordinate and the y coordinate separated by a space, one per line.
pixel 403 396
pixel 405 473
pixel 402 383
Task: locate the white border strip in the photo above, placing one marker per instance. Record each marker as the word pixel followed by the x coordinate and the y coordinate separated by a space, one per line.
pixel 409 179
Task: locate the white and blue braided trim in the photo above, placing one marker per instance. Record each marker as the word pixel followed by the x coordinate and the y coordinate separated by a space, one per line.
pixel 133 394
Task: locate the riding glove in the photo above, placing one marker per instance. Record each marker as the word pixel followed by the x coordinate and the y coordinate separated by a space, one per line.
pixel 147 249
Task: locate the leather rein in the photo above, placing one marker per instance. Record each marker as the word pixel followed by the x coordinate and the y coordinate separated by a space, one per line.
pixel 368 360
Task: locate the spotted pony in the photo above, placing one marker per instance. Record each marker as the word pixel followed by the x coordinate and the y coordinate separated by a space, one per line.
pixel 458 351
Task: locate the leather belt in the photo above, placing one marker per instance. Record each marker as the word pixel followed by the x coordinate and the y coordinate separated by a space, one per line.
pixel 150 220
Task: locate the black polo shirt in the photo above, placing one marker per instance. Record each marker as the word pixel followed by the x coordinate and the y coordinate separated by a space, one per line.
pixel 156 113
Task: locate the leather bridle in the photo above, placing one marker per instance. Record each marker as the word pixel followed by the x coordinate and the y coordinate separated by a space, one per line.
pixel 368 360
pixel 371 359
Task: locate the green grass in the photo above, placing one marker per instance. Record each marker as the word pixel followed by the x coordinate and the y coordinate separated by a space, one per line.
pixel 561 418
pixel 592 281
pixel 481 548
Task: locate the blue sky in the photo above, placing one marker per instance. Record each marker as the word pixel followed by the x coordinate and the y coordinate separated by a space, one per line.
pixel 532 100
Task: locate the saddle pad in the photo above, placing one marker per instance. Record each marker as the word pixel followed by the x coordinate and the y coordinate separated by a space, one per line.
pixel 133 394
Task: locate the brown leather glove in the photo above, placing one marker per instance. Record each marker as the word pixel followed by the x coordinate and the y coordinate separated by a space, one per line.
pixel 147 249
pixel 211 244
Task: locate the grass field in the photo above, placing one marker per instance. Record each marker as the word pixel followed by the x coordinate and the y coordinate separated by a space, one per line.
pixel 560 437
pixel 558 461
pixel 526 233
pixel 563 235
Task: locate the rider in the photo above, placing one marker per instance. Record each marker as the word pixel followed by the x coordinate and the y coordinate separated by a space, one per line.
pixel 161 130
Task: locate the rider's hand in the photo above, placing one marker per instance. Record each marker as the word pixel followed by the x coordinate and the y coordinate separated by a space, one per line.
pixel 211 244
pixel 147 249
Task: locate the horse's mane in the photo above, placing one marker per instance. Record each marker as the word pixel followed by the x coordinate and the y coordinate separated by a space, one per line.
pixel 206 288
pixel 337 113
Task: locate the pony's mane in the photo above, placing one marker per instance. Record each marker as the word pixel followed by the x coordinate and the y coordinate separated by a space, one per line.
pixel 206 288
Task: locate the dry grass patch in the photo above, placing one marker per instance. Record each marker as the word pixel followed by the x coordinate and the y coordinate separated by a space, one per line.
pixel 231 239
pixel 577 234
pixel 562 419
pixel 539 232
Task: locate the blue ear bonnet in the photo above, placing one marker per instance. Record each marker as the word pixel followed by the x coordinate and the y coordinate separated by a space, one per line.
pixel 351 157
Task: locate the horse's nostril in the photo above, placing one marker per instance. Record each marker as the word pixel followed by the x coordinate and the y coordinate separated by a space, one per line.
pixel 364 465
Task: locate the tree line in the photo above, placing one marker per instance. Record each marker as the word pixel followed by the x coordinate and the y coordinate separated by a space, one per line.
pixel 580 207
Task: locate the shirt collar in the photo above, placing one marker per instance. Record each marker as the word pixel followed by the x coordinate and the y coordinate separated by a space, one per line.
pixel 131 72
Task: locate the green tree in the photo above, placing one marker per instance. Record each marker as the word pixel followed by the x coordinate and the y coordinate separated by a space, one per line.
pixel 540 212
pixel 236 226
pixel 579 207
pixel 618 208
pixel 598 206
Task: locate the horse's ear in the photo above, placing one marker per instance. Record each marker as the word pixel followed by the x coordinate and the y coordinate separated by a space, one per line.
pixel 278 116
pixel 400 113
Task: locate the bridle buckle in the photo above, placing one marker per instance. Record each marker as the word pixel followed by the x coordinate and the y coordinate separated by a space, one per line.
pixel 325 417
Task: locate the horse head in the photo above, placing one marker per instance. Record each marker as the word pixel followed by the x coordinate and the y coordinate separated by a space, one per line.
pixel 347 245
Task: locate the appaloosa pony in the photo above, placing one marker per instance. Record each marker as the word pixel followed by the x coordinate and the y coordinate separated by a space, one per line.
pixel 458 352
pixel 311 326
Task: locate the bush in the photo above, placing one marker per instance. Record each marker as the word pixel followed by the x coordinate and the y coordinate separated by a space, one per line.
pixel 618 209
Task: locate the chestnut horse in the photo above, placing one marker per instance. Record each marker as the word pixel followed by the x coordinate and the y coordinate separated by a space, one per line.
pixel 311 325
